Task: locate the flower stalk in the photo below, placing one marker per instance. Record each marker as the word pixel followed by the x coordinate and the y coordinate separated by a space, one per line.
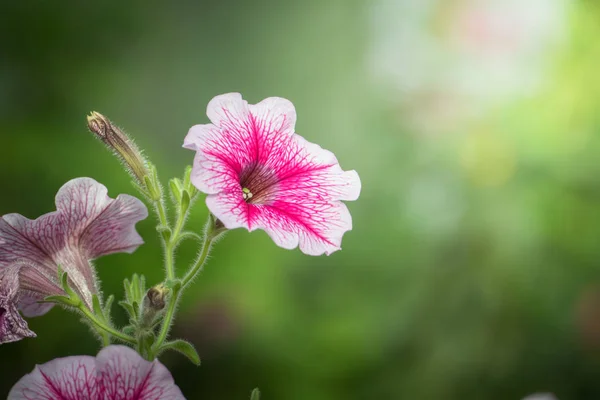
pixel 178 286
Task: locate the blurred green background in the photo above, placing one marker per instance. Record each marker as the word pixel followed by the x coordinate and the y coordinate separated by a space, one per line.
pixel 473 270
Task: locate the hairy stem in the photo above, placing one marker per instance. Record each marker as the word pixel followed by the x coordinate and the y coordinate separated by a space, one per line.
pixel 104 327
pixel 178 290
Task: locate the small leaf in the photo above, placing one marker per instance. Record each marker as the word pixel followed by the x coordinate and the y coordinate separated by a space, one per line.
pixel 97 307
pixel 60 272
pixel 185 201
pixel 152 191
pixel 142 191
pixel 189 235
pixel 187 182
pixel 129 309
pixel 73 297
pixel 129 330
pixel 64 282
pixel 185 348
pixel 255 394
pixel 142 292
pixel 187 176
pixel 135 287
pixel 127 286
pixel 59 300
pixel 176 188
pixel 108 306
pixel 136 307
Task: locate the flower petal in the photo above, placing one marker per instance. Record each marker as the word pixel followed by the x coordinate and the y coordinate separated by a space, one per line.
pixel 273 122
pixel 86 225
pixel 229 207
pixel 316 229
pixel 69 378
pixel 220 159
pixel 124 375
pixel 34 286
pixel 316 172
pixel 228 111
pixel 12 326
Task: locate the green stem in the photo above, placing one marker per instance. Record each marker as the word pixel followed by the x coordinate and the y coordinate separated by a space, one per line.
pixel 200 261
pixel 170 246
pixel 175 296
pixel 159 207
pixel 99 324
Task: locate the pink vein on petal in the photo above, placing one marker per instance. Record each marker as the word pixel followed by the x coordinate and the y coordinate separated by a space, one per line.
pixel 259 174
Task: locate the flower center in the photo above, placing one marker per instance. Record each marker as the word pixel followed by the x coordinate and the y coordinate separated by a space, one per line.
pixel 258 183
pixel 246 194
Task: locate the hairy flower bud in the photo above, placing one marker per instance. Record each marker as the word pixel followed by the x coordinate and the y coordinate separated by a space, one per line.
pixel 155 298
pixel 154 303
pixel 120 144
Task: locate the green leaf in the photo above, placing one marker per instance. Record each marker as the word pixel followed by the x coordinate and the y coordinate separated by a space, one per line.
pixel 71 295
pixel 127 286
pixel 64 282
pixel 176 189
pixel 60 300
pixel 60 272
pixel 152 191
pixel 129 330
pixel 108 306
pixel 97 307
pixel 188 235
pixel 129 309
pixel 185 348
pixel 136 307
pixel 142 191
pixel 187 177
pixel 255 394
pixel 187 182
pixel 185 201
pixel 142 286
pixel 135 287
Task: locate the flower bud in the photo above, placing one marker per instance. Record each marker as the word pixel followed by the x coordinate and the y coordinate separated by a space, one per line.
pixel 156 297
pixel 120 144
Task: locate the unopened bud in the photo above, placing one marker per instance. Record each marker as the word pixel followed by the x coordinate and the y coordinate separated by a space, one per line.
pixel 156 297
pixel 154 302
pixel 120 144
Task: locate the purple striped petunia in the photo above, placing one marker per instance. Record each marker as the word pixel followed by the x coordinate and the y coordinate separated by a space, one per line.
pixel 87 224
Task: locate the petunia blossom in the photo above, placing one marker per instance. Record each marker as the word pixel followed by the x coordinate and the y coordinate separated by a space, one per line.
pixel 259 174
pixel 116 373
pixel 87 224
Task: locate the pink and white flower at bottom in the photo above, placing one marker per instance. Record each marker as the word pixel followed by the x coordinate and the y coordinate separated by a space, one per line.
pixel 117 373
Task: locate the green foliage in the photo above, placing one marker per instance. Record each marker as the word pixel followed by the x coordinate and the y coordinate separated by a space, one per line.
pixel 185 348
pixel 446 288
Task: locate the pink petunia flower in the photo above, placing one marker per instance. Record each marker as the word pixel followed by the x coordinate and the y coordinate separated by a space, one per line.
pixel 87 224
pixel 117 373
pixel 259 174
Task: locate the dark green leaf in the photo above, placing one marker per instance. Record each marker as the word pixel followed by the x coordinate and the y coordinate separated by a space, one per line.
pixel 185 348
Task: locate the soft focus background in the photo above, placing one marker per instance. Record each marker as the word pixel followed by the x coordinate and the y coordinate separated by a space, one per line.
pixel 473 270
